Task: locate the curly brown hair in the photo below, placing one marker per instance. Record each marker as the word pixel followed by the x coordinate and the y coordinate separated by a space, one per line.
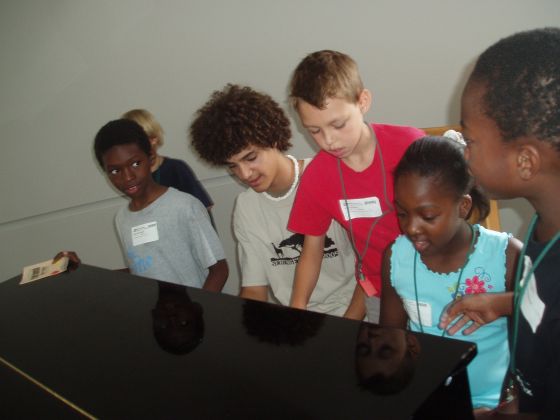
pixel 235 118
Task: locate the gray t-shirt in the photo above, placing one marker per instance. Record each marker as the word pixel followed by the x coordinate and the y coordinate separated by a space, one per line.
pixel 170 240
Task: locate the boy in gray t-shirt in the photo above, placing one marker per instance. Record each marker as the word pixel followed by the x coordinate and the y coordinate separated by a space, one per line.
pixel 165 234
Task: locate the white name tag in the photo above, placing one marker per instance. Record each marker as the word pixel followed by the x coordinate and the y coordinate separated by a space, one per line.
pixel 360 207
pixel 532 307
pixel 423 309
pixel 142 234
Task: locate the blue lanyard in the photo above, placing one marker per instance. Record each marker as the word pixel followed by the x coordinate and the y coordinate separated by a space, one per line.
pixel 467 258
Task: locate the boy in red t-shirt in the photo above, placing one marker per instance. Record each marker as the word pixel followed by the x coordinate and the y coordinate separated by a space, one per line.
pixel 349 180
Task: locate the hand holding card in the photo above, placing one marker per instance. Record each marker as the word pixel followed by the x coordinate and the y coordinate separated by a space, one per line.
pixel 43 269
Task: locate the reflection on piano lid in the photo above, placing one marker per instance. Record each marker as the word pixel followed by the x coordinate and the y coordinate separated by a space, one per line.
pixel 89 336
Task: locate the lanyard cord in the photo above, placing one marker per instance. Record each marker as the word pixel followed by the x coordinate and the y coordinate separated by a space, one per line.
pixel 467 258
pixel 360 256
pixel 519 290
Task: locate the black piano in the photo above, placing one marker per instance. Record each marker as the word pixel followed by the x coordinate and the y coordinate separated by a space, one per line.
pixel 96 343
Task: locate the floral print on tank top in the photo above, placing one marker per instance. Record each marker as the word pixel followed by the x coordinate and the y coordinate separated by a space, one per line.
pixel 475 282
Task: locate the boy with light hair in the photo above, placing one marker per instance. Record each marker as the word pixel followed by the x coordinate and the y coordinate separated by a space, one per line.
pixel 349 180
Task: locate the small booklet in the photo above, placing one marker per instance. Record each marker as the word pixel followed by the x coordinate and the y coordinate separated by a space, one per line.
pixel 43 269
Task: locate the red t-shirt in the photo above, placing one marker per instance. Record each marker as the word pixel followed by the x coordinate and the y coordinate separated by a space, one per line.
pixel 320 196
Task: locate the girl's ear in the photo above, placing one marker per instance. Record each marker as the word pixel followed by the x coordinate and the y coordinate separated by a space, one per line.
pixel 413 345
pixel 465 206
pixel 528 161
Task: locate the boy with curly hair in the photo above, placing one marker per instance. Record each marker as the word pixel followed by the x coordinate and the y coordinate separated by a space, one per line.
pixel 248 132
pixel 349 180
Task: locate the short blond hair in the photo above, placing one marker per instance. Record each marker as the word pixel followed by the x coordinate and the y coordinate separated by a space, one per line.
pixel 325 74
pixel 148 122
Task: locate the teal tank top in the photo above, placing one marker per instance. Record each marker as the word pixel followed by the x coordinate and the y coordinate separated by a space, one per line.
pixel 484 273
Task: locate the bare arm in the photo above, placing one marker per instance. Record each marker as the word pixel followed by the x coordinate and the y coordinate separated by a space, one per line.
pixel 513 251
pixel 497 415
pixel 307 270
pixel 217 276
pixel 255 293
pixel 481 308
pixel 357 308
pixel 484 307
pixel 393 313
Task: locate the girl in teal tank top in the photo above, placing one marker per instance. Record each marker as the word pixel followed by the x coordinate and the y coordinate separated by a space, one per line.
pixel 441 257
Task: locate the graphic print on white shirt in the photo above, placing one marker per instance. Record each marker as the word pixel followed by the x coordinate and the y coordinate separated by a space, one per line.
pixel 288 250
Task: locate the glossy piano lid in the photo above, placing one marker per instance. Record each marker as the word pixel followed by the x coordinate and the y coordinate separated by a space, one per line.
pixel 117 345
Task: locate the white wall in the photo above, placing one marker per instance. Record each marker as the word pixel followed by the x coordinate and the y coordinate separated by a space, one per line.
pixel 69 66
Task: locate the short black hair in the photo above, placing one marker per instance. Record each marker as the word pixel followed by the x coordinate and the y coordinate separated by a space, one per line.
pixel 121 131
pixel 442 159
pixel 178 323
pixel 521 74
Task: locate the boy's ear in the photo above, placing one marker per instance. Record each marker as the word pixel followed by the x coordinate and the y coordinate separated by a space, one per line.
pixel 529 161
pixel 364 101
pixel 153 142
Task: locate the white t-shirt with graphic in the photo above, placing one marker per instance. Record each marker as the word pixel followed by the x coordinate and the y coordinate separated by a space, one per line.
pixel 268 253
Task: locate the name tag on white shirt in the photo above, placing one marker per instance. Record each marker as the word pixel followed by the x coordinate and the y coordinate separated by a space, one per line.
pixel 532 307
pixel 142 234
pixel 423 310
pixel 360 207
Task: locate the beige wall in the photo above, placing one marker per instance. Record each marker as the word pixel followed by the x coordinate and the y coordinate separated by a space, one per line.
pixel 70 66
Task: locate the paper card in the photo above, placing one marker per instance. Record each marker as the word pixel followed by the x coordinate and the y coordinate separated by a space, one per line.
pixel 532 307
pixel 421 310
pixel 43 269
pixel 143 234
pixel 360 207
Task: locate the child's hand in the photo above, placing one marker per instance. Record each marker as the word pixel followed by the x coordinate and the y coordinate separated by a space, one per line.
pixel 73 259
pixel 475 310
